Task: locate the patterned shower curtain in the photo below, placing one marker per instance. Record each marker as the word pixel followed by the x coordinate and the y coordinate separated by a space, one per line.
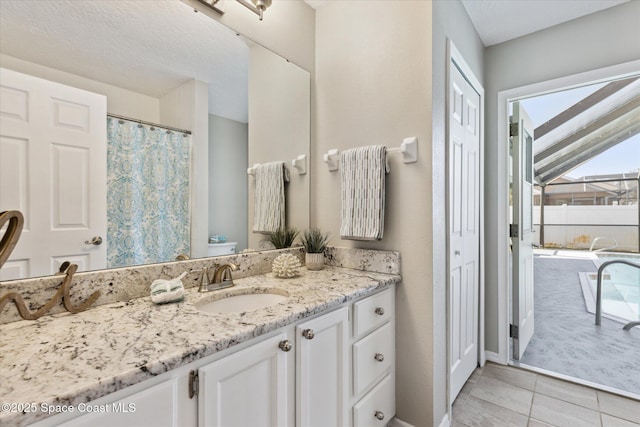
pixel 148 171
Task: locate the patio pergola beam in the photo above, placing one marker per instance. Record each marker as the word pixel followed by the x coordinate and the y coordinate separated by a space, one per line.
pixel 582 106
pixel 596 143
pixel 573 141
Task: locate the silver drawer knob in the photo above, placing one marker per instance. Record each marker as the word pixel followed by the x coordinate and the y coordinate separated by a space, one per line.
pixel 308 334
pixel 379 311
pixel 285 345
pixel 379 357
pixel 379 415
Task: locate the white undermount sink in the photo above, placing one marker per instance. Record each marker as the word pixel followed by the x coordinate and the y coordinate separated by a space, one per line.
pixel 241 300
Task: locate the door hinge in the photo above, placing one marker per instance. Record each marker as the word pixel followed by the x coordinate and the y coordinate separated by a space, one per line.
pixel 513 331
pixel 513 230
pixel 513 129
pixel 194 384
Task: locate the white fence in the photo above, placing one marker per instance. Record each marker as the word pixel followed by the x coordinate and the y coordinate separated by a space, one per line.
pixel 577 226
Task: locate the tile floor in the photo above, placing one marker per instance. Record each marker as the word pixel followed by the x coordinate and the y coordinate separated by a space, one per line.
pixel 506 396
pixel 565 339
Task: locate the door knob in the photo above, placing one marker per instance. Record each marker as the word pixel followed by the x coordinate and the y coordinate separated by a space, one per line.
pixel 308 334
pixel 379 357
pixel 97 241
pixel 379 311
pixel 379 415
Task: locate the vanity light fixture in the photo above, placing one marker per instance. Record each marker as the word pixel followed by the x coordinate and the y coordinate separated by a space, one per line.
pixel 256 6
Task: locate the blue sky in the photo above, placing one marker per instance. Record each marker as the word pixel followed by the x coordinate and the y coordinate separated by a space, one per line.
pixel 624 157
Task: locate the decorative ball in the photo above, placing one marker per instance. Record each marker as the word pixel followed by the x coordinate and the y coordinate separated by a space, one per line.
pixel 286 265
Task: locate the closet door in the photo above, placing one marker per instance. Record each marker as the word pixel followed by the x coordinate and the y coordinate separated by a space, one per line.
pixel 53 170
pixel 464 228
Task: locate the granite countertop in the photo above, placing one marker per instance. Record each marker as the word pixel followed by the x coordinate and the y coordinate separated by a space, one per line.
pixel 67 359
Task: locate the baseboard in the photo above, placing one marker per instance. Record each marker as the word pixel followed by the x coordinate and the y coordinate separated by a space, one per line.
pixel 396 422
pixel 494 357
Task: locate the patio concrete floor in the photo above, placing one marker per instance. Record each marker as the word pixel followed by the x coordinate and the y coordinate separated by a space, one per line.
pixel 566 340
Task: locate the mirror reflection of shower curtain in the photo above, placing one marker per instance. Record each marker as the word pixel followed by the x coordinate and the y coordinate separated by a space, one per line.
pixel 148 172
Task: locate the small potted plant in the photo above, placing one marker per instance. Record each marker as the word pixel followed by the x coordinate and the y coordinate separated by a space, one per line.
pixel 283 237
pixel 315 243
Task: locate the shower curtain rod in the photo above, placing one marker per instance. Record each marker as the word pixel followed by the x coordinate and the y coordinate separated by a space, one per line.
pixel 142 122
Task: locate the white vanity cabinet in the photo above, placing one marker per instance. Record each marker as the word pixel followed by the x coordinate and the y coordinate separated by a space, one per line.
pixel 253 387
pixel 302 371
pixel 322 369
pixel 336 369
pixel 160 405
pixel 373 360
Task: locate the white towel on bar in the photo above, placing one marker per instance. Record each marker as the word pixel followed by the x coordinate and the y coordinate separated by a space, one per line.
pixel 269 203
pixel 362 172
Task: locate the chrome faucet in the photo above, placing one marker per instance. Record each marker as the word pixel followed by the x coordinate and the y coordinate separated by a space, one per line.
pixel 221 277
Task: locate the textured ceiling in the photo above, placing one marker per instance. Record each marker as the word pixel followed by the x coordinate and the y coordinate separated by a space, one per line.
pixel 148 47
pixel 497 21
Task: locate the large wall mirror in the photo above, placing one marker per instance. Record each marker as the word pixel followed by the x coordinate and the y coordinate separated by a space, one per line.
pixel 171 69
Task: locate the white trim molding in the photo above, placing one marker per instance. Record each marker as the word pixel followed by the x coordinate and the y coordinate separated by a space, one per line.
pixel 397 422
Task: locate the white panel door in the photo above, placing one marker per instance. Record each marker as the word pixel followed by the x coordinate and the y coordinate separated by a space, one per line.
pixel 522 240
pixel 254 387
pixel 464 233
pixel 323 371
pixel 53 169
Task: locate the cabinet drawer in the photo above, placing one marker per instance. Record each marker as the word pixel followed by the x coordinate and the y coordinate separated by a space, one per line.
pixel 377 407
pixel 372 357
pixel 372 312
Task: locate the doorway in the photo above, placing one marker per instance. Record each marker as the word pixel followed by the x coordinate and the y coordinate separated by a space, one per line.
pixel 564 340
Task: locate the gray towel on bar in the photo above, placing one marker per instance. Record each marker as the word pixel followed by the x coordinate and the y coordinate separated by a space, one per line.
pixel 362 173
pixel 269 203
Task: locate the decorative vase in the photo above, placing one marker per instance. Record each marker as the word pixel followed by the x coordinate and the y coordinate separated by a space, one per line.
pixel 314 261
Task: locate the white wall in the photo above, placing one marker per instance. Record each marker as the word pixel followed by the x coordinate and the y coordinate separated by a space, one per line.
pixel 288 28
pixel 279 127
pixel 592 42
pixel 373 86
pixel 187 107
pixel 228 154
pixel 581 236
pixel 119 101
pixel 450 22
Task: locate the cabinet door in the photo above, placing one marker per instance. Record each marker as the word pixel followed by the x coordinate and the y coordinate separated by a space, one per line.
pixel 159 405
pixel 253 387
pixel 323 370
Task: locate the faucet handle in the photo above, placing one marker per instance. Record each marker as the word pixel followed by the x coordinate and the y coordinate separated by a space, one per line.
pixel 206 278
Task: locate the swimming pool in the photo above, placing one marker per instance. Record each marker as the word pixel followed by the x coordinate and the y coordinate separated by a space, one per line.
pixel 620 288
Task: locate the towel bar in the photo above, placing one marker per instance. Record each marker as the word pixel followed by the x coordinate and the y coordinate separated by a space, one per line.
pixel 299 163
pixel 408 148
pixel 252 170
